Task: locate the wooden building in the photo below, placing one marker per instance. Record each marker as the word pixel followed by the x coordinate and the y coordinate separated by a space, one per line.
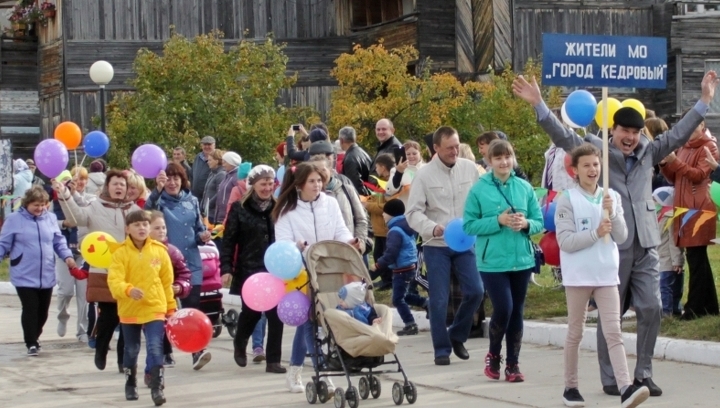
pixel 19 114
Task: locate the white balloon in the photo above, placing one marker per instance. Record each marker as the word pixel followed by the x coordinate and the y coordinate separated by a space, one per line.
pixel 566 119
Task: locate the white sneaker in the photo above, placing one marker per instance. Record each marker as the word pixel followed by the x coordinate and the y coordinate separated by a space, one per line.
pixel 62 328
pixel 83 338
pixel 294 379
pixel 330 385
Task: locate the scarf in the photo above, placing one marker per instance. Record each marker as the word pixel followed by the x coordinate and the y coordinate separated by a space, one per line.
pixel 262 204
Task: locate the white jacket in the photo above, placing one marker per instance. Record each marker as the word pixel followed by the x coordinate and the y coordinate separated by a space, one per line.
pixel 407 179
pixel 319 220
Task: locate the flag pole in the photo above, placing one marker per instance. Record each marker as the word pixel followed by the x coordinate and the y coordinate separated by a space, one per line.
pixel 605 151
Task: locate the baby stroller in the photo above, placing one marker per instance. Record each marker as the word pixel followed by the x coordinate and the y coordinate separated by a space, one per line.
pixel 354 349
pixel 210 296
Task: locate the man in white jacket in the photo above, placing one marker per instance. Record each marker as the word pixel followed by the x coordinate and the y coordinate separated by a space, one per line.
pixel 438 196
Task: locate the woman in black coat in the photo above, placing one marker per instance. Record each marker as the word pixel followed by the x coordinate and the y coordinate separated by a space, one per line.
pixel 249 231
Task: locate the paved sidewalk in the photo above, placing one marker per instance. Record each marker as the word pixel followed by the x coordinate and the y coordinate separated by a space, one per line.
pixel 64 376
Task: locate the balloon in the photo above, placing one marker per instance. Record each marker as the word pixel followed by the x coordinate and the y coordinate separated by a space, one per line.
pixel 283 259
pixel 613 106
pixel 262 291
pixel 293 308
pixel 456 238
pixel 95 250
pixel 580 107
pixel 189 330
pixel 548 212
pixel 298 283
pixel 568 165
pixel 149 160
pixel 69 134
pixel 51 157
pixel 715 193
pixel 566 119
pixel 96 143
pixel 551 250
pixel 635 104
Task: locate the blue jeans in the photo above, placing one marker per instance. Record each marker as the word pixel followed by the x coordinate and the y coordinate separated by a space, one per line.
pixel 303 341
pixel 258 335
pixel 154 333
pixel 507 292
pixel 440 261
pixel 402 297
pixel 671 290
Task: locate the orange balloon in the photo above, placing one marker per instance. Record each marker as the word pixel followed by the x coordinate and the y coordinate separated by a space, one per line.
pixel 69 134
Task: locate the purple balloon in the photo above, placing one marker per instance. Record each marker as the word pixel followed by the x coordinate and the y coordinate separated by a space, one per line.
pixel 149 160
pixel 51 157
pixel 293 308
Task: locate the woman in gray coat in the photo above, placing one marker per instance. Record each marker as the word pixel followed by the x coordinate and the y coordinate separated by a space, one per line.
pixel 217 174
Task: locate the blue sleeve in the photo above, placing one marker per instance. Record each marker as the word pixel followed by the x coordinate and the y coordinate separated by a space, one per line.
pixel 393 244
pixel 151 202
pixel 199 225
pixel 59 243
pixel 7 236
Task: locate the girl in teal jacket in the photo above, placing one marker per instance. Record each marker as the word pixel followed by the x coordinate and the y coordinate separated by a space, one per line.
pixel 503 212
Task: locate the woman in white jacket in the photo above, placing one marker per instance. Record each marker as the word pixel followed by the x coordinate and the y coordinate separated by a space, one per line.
pixel 305 216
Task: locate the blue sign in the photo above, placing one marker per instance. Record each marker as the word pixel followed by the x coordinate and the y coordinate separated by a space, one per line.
pixel 604 60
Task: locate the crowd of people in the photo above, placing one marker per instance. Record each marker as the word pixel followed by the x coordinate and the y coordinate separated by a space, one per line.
pixel 394 205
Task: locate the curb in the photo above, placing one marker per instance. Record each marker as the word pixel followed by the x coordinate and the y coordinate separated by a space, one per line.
pixel 551 334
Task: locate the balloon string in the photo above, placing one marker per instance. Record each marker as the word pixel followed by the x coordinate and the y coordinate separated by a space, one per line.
pixel 75 151
pixel 81 161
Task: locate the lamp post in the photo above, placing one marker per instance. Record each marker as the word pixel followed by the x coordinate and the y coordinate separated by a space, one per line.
pixel 101 72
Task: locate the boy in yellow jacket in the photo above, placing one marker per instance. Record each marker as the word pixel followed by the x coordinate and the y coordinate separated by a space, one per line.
pixel 140 278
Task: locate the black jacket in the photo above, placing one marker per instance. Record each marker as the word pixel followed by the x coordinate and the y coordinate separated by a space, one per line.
pixel 388 146
pixel 356 167
pixel 249 231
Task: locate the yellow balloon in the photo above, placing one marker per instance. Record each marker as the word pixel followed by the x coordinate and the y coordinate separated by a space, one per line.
pixel 298 283
pixel 635 104
pixel 95 249
pixel 613 106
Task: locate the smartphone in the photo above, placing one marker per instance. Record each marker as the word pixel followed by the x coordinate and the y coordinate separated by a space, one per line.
pixel 399 154
pixel 296 128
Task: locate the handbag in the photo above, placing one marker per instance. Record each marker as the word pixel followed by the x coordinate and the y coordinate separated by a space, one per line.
pixel 537 251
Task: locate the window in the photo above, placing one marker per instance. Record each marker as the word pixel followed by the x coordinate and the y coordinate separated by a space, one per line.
pixel 714 64
pixel 369 12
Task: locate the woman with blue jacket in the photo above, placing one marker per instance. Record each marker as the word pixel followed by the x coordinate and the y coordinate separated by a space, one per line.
pixel 31 237
pixel 502 211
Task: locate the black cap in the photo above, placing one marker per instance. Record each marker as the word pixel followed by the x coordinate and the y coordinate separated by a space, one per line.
pixel 317 135
pixel 628 117
pixel 394 208
pixel 321 147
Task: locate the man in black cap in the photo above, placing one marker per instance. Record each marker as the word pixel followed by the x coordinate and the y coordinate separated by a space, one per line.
pixel 631 161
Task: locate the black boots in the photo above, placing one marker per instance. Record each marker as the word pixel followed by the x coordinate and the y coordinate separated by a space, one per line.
pixel 131 392
pixel 100 357
pixel 240 353
pixel 157 384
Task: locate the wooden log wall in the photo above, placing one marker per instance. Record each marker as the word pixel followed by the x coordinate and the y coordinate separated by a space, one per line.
pixel 436 33
pixel 393 35
pixel 19 112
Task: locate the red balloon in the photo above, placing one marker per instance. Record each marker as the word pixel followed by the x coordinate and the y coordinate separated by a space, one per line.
pixel 551 250
pixel 568 165
pixel 189 330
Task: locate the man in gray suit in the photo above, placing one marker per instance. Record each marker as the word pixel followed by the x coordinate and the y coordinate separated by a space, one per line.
pixel 631 161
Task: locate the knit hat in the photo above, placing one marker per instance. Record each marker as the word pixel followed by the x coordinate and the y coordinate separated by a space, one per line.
pixel 664 196
pixel 501 134
pixel 394 208
pixel 260 171
pixel 280 149
pixel 243 170
pixel 98 166
pixel 20 165
pixel 353 294
pixel 232 158
pixel 629 117
pixel 321 147
pixel 317 135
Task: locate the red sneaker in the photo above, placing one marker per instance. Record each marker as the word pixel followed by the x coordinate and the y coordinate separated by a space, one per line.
pixel 492 366
pixel 513 374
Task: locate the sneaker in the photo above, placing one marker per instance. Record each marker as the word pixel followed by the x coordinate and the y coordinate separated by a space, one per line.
pixel 62 328
pixel 32 351
pixel 91 342
pixel 330 385
pixel 513 374
pixel 655 391
pixel 572 398
pixel 200 359
pixel 169 361
pixel 293 380
pixel 83 338
pixel 611 390
pixel 492 366
pixel 258 355
pixel 634 395
pixel 409 330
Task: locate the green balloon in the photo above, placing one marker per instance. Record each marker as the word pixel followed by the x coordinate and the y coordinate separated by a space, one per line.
pixel 715 193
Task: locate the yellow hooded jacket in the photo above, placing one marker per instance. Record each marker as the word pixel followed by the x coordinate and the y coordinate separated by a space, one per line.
pixel 149 270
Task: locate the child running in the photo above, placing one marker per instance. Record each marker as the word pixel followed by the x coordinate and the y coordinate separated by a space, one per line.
pixel 590 261
pixel 140 278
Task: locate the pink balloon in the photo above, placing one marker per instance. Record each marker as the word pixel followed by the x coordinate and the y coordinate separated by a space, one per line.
pixel 293 308
pixel 149 160
pixel 263 291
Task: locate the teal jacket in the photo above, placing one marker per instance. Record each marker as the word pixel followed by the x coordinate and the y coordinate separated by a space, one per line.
pixel 499 248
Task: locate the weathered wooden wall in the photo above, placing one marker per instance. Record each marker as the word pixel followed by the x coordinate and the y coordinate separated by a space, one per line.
pixel 436 33
pixel 393 35
pixel 464 39
pixel 665 101
pixel 19 113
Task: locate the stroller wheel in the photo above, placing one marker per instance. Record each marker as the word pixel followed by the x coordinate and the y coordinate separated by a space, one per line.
pixel 311 392
pixel 339 399
pixel 364 388
pixel 410 392
pixel 322 391
pixel 217 329
pixel 230 320
pixel 375 387
pixel 352 397
pixel 397 393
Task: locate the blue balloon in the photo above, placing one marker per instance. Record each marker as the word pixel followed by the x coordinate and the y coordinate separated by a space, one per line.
pixel 96 143
pixel 279 175
pixel 284 260
pixel 456 238
pixel 548 212
pixel 581 107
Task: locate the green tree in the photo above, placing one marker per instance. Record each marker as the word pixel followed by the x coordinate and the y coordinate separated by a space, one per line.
pixel 197 88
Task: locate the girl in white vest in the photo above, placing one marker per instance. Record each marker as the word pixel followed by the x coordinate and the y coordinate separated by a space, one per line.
pixel 590 261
